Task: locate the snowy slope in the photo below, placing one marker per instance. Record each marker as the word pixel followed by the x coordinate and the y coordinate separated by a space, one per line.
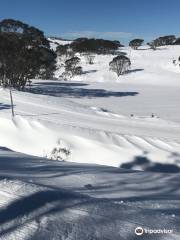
pixel 41 199
pixel 92 118
pixel 92 135
pixel 148 67
pixel 56 42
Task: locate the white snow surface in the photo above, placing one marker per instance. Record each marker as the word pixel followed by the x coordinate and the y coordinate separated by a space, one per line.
pixel 44 199
pixel 56 42
pixel 92 117
pixel 102 120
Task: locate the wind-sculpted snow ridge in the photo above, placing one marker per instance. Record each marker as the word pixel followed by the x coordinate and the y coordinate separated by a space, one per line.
pixel 47 199
pixel 102 123
pixel 26 136
pixel 100 147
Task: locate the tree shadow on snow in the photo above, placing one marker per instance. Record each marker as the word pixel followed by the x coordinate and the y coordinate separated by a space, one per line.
pixel 140 197
pixel 74 90
pixel 38 204
pixel 4 106
pixel 89 71
pixel 97 218
pixel 135 70
pixel 34 168
pixel 58 83
pixel 144 164
pixel 26 205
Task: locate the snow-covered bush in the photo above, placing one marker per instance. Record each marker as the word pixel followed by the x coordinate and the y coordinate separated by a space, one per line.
pixel 59 153
pixel 120 65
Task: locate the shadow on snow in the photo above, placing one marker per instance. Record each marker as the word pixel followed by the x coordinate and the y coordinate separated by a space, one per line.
pixel 74 90
pixel 4 106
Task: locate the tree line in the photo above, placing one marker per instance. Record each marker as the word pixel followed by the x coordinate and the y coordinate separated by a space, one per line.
pixel 25 54
pixel 157 42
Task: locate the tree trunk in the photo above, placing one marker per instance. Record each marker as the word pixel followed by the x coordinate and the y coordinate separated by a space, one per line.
pixel 12 105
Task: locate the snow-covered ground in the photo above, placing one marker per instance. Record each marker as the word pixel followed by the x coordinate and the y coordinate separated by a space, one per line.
pixel 93 117
pixel 100 119
pixel 44 199
pixel 54 42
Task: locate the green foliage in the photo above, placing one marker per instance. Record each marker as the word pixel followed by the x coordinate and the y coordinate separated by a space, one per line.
pixel 24 54
pixel 98 46
pixel 166 40
pixel 177 41
pixel 136 43
pixel 162 41
pixel 72 67
pixel 64 51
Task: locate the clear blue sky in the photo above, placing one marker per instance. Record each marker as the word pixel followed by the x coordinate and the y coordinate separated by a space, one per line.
pixel 111 19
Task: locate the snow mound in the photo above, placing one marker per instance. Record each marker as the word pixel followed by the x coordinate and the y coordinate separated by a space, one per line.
pixel 27 136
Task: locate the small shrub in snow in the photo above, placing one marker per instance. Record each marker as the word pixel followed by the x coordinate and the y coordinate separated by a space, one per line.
pixel 120 65
pixel 176 62
pixel 59 153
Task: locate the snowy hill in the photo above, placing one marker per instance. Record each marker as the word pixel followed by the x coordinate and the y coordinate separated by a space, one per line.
pixel 100 119
pixel 103 119
pixel 54 42
pixel 148 67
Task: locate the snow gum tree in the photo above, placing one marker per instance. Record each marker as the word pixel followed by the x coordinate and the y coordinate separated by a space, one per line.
pixel 24 54
pixel 72 67
pixel 95 46
pixel 64 52
pixel 120 65
pixel 154 44
pixel 162 41
pixel 136 43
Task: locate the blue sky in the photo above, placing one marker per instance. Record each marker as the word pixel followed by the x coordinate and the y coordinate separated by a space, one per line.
pixel 111 19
